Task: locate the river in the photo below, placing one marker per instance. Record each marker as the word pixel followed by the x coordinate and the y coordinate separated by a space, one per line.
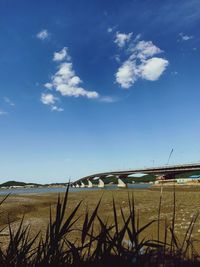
pixel 40 190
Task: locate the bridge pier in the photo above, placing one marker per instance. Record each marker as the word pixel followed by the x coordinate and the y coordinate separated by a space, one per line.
pixel 101 183
pixel 90 185
pixel 121 184
pixel 82 185
pixel 77 186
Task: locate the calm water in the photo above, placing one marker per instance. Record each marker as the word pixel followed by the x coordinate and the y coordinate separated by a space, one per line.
pixel 62 189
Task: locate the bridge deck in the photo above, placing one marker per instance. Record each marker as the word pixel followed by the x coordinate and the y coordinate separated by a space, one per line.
pixel 163 170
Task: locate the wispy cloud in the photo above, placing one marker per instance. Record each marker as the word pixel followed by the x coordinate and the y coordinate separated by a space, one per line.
pixel 144 50
pixel 175 16
pixel 174 73
pixel 8 101
pixel 48 99
pixel 2 113
pixel 109 99
pixel 185 37
pixel 117 58
pixel 58 109
pixel 111 29
pixel 48 85
pixel 122 38
pixel 61 55
pixel 141 64
pixel 43 34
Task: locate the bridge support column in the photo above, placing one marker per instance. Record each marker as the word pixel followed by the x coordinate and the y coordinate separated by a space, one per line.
pixel 90 185
pixel 82 185
pixel 73 185
pixel 77 185
pixel 101 183
pixel 121 184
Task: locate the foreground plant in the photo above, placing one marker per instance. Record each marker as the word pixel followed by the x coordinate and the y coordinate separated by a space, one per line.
pixel 100 243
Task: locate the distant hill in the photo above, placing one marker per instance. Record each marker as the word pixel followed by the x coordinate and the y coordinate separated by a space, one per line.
pixel 15 183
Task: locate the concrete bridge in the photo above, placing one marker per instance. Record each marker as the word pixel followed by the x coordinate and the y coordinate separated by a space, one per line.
pixel 163 172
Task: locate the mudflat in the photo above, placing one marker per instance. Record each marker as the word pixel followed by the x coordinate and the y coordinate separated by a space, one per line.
pixel 36 207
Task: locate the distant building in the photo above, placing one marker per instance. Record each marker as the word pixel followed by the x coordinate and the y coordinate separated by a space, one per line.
pixel 195 176
pixel 29 186
pixel 183 180
pixel 190 179
pixel 16 186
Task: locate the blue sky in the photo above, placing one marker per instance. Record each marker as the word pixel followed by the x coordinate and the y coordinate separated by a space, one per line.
pixel 88 86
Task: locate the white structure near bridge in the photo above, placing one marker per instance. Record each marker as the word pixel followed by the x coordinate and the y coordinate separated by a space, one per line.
pixel 190 179
pixel 101 184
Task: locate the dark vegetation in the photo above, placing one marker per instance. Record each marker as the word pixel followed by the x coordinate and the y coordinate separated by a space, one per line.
pixel 143 179
pixel 99 243
pixel 16 183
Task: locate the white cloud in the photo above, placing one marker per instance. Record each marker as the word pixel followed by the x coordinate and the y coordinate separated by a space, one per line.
pixel 43 34
pixel 55 108
pixel 67 83
pixel 48 86
pixel 8 101
pixel 127 74
pixel 61 55
pixel 152 68
pixel 144 50
pixel 122 38
pixel 48 99
pixel 141 64
pixel 185 37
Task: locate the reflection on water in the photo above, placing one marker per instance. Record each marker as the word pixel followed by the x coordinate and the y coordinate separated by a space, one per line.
pixel 62 189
